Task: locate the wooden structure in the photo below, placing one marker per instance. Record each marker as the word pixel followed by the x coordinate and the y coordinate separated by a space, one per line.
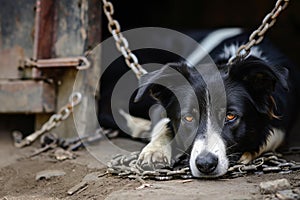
pixel 45 29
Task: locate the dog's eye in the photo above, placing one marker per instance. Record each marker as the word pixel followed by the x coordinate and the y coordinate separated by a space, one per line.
pixel 189 118
pixel 230 117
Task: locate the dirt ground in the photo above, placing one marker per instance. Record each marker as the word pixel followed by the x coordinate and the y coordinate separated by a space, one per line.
pixel 18 178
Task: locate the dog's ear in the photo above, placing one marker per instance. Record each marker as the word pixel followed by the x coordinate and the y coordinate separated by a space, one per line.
pixel 158 82
pixel 260 76
pixel 260 79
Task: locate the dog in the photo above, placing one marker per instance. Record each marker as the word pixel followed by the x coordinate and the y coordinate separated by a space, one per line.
pixel 260 95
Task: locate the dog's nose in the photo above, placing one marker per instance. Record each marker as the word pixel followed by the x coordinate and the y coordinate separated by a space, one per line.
pixel 206 162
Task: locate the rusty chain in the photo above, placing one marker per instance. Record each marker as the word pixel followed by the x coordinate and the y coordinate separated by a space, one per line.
pixel 121 42
pixel 258 35
pixel 126 167
pixel 54 121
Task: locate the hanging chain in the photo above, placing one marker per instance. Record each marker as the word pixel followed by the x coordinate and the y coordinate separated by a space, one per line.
pixel 258 35
pixel 121 42
pixel 243 51
pixel 54 121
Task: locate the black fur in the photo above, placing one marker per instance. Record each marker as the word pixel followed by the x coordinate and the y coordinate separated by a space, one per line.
pixel 261 91
pixel 261 94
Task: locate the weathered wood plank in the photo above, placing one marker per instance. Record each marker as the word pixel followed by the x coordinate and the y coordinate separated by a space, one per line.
pixel 26 97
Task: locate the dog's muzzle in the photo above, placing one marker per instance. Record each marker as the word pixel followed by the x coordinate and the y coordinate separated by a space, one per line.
pixel 208 157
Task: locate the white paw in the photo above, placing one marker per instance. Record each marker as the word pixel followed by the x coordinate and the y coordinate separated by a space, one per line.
pixel 155 156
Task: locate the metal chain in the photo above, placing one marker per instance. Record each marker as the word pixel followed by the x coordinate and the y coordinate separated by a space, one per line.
pixel 126 167
pixel 258 35
pixel 121 42
pixel 54 121
pixel 266 163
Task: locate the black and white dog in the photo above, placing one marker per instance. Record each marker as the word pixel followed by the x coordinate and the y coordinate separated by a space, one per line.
pixel 260 97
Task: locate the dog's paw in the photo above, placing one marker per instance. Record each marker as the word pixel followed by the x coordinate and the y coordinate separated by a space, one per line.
pixel 247 157
pixel 155 157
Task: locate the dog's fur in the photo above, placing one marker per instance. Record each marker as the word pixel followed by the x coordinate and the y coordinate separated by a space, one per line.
pixel 260 94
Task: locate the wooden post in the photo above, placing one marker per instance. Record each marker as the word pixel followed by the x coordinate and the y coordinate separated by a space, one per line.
pixel 75 33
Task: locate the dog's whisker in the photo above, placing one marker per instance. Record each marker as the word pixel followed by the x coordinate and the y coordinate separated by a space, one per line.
pixel 183 151
pixel 236 155
pixel 230 147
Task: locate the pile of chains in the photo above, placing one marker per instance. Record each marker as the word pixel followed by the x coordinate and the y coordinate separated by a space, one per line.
pixel 266 163
pixel 121 42
pixel 258 35
pixel 126 167
pixel 54 121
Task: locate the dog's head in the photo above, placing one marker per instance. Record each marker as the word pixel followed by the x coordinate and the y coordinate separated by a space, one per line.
pixel 248 110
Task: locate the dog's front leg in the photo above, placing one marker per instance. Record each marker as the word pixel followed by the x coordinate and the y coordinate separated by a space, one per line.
pixel 158 152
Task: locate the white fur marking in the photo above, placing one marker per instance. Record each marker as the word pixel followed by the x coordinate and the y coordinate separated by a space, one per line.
pixel 212 143
pixel 136 125
pixel 274 140
pixel 231 50
pixel 160 129
pixel 210 42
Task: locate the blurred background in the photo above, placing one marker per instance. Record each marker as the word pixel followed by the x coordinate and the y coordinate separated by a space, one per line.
pixel 201 15
pixel 49 29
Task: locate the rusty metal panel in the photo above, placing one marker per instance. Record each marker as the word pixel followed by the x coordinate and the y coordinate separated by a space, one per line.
pixel 16 39
pixel 72 25
pixel 45 29
pixel 26 97
pixel 9 62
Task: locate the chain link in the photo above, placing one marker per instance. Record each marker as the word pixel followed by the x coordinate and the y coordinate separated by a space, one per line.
pixel 54 121
pixel 266 163
pixel 121 42
pixel 126 166
pixel 258 35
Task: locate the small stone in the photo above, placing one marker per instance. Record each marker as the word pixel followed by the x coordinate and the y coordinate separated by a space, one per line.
pixel 287 195
pixel 273 186
pixel 47 174
pixel 61 154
